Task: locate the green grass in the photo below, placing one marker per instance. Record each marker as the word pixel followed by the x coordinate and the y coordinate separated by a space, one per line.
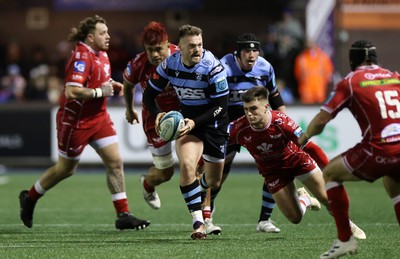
pixel 76 220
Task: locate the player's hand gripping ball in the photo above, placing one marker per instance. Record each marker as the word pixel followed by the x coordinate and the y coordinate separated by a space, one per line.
pixel 170 125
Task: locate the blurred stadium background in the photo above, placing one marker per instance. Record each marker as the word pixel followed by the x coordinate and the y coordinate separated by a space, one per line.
pixel 41 26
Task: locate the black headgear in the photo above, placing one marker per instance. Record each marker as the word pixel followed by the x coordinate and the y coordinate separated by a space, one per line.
pixel 247 41
pixel 362 51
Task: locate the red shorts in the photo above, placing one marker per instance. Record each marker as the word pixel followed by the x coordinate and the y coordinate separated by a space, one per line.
pixel 371 166
pixel 279 174
pixel 72 141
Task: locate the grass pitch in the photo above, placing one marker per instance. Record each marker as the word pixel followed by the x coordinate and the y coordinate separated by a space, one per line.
pixel 76 220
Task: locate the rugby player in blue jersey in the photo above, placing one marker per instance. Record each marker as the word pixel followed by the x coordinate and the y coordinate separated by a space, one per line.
pixel 245 69
pixel 199 80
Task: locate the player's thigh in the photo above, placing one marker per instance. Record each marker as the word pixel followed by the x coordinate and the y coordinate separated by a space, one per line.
pixel 316 185
pixel 188 149
pixel 110 155
pixel 287 201
pixel 337 171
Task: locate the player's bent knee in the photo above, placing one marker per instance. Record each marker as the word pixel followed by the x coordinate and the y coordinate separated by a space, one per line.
pixel 295 219
pixel 163 162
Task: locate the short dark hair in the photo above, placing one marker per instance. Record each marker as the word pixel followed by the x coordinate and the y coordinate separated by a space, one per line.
pixel 86 26
pixel 362 51
pixel 189 30
pixel 256 92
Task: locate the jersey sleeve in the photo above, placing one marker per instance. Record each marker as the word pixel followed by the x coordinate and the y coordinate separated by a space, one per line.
pixel 271 83
pixel 288 126
pixel 338 99
pixel 78 70
pixel 129 75
pixel 233 132
pixel 159 79
pixel 218 82
pixel 316 153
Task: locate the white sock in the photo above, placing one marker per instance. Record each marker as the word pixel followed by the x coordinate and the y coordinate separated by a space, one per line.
pixel 197 215
pixel 118 196
pixel 39 189
pixel 304 203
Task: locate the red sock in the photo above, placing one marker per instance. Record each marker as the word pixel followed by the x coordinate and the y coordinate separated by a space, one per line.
pixel 397 211
pixel 121 205
pixel 33 194
pixel 206 214
pixel 339 205
pixel 148 187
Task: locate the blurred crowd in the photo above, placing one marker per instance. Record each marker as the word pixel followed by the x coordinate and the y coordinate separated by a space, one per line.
pixel 37 74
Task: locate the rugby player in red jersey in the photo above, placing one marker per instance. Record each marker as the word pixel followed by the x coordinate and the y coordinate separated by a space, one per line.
pixel 82 120
pixel 139 70
pixel 271 138
pixel 372 94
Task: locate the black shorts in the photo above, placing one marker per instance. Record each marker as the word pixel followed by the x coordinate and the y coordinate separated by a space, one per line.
pixel 214 140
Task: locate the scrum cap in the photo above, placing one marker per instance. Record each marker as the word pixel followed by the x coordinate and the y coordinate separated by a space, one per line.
pixel 247 41
pixel 362 51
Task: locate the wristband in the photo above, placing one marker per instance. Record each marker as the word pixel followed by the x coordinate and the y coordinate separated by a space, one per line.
pixel 97 93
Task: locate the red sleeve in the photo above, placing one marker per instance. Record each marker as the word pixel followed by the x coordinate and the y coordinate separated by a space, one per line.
pixel 316 153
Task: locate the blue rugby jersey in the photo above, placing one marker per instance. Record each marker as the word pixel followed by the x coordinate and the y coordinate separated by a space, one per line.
pixel 196 86
pixel 239 81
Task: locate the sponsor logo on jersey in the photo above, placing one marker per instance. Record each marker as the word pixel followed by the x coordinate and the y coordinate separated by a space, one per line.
pixel 371 76
pixel 77 77
pixel 236 95
pixel 274 183
pixel 221 84
pixel 79 66
pixel 378 82
pixel 189 93
pixel 279 121
pixel 387 160
pixel 247 139
pixel 391 133
pixel 156 140
pixel 264 148
pixel 298 132
pixel 217 111
pixel 198 76
pixel 155 76
pixel 222 148
pixel 276 136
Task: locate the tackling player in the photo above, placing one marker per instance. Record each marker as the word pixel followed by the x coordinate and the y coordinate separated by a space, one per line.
pixel 271 138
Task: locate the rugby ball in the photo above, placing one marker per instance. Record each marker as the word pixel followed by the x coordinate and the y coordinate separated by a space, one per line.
pixel 170 125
